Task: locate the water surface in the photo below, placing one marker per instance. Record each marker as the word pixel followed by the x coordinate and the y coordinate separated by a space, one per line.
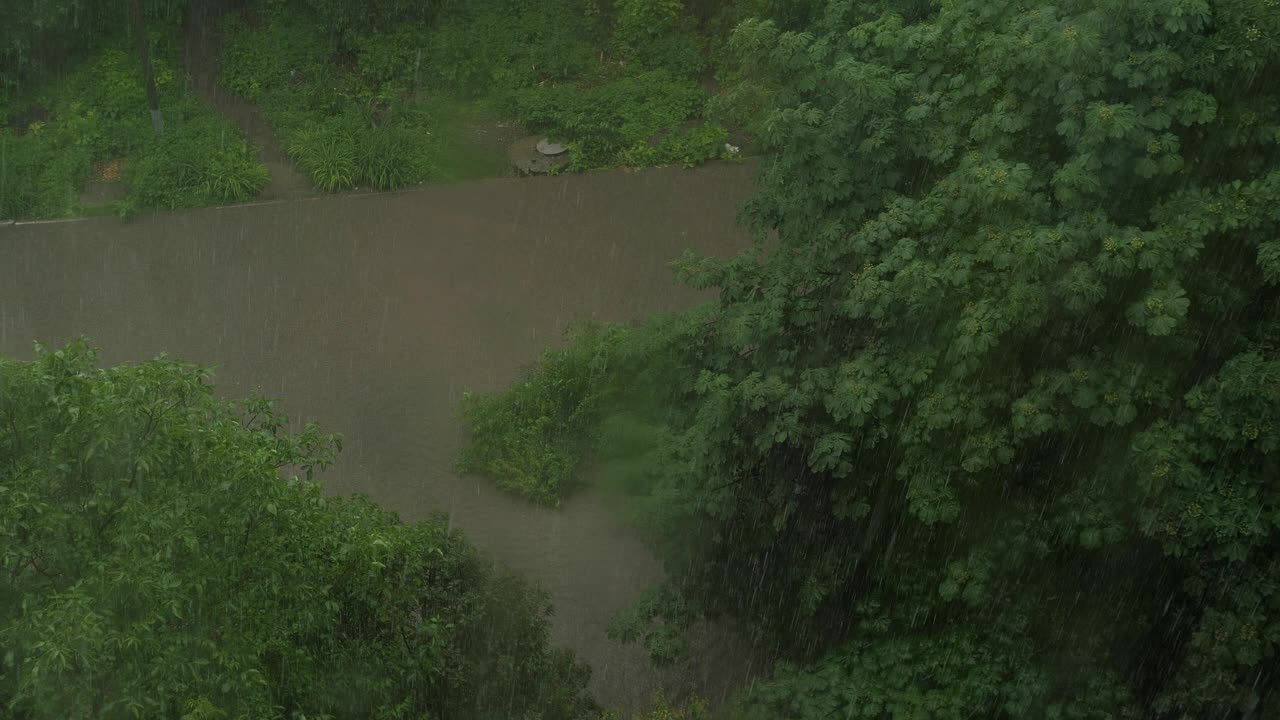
pixel 371 314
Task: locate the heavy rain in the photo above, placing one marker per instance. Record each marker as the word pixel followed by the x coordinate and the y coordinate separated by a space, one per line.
pixel 639 359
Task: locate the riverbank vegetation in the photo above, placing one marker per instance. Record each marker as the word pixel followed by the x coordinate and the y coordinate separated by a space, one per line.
pixel 380 97
pixel 531 438
pixel 346 88
pixel 80 121
pixel 991 430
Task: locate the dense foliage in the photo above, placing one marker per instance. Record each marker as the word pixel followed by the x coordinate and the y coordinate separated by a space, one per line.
pixel 153 563
pixel 42 38
pixel 334 116
pixel 617 83
pixel 991 429
pixel 96 114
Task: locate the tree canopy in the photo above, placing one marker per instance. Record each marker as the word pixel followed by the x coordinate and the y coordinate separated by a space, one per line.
pixel 987 423
pixel 992 428
pixel 154 563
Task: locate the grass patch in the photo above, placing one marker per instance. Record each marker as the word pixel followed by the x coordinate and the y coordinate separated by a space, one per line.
pixel 97 113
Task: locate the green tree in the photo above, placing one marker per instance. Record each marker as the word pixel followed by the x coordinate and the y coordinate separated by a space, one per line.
pixel 154 563
pixel 987 424
pixel 41 38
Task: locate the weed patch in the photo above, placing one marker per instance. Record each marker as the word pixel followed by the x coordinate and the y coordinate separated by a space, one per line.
pixel 98 113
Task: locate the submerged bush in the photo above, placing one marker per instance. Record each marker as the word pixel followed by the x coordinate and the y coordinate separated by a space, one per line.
pixel 531 438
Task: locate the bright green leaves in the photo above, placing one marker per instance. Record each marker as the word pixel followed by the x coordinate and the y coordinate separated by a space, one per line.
pixel 1240 407
pixel 171 568
pixel 530 439
pixel 829 454
pixel 1078 181
pixel 1103 121
pixel 1080 288
pixel 862 392
pixel 978 329
pixel 946 673
pixel 1160 310
pixel 1192 107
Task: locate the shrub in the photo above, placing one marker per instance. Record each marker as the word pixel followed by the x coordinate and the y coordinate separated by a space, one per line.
pixel 275 56
pixel 500 46
pixel 98 112
pixel 657 34
pixel 41 173
pixel 233 174
pixel 390 158
pixel 531 437
pixel 22 158
pixel 693 145
pixel 327 154
pixel 198 161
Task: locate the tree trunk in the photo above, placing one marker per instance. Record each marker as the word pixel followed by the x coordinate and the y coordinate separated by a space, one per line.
pixel 140 32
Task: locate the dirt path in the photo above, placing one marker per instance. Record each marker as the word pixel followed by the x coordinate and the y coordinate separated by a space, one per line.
pixel 202 56
pixel 370 313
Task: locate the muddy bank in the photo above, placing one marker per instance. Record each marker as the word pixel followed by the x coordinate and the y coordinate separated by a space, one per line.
pixel 371 313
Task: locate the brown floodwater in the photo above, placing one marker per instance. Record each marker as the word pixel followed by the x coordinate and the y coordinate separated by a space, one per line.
pixel 371 313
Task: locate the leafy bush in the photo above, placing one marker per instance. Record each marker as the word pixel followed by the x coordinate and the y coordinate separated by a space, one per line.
pixel 154 562
pixel 390 158
pixel 200 160
pixel 233 174
pixel 98 112
pixel 327 154
pixel 41 174
pixel 344 126
pixel 531 437
pixel 687 146
pixel 275 56
pixel 494 47
pixel 657 34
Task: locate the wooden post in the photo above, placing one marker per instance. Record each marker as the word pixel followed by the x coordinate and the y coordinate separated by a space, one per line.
pixel 153 99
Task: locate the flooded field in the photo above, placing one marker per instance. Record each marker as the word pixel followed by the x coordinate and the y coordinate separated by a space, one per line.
pixel 372 313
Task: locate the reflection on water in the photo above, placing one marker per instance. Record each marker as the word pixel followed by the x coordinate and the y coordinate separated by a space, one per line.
pixel 371 313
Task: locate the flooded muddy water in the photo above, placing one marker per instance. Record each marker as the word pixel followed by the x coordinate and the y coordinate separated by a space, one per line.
pixel 372 313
